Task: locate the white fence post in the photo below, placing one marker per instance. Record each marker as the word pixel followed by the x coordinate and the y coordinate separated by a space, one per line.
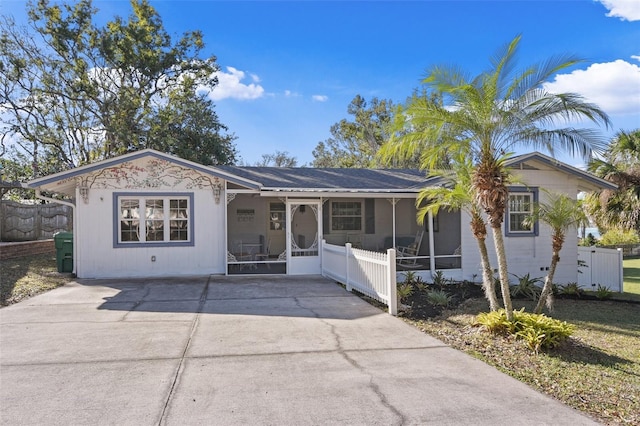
pixel 621 269
pixel 391 282
pixel 347 258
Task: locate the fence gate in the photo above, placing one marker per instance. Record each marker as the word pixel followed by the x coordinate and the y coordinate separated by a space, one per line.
pixel 600 266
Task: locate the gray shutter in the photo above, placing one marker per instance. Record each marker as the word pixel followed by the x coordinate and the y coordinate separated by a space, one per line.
pixel 369 216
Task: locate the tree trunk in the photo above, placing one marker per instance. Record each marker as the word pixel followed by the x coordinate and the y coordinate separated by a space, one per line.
pixel 557 240
pixel 547 291
pixel 487 276
pixel 479 230
pixel 503 271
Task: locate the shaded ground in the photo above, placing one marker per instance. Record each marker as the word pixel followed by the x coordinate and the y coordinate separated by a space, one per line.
pixel 420 307
pixel 293 350
pixel 27 276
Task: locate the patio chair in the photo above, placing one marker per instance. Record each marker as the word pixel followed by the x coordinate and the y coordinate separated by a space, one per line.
pixel 241 255
pixel 264 255
pixel 406 255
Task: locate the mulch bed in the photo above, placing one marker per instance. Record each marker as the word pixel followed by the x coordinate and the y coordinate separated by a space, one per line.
pixel 419 306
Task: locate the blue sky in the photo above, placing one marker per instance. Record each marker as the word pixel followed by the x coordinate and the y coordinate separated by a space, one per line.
pixel 290 69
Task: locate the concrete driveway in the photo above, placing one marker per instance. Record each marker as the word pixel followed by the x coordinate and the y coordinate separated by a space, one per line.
pixel 236 351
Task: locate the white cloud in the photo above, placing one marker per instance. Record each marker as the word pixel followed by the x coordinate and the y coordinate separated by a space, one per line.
pixel 613 86
pixel 230 85
pixel 290 94
pixel 626 10
pixel 636 57
pixel 320 98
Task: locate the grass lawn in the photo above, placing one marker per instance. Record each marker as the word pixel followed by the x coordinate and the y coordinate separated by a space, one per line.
pixel 597 371
pixel 632 275
pixel 25 277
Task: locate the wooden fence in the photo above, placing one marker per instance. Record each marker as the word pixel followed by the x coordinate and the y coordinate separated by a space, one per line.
pixel 30 222
pixel 370 273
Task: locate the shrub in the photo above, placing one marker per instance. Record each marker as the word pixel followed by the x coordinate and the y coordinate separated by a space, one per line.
pixel 439 298
pixel 404 291
pixel 526 288
pixel 410 276
pixel 571 289
pixel 421 285
pixel 603 293
pixel 615 237
pixel 537 330
pixel 588 241
pixel 439 279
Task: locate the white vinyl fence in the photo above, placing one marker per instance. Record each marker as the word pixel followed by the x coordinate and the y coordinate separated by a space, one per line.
pixel 600 266
pixel 370 273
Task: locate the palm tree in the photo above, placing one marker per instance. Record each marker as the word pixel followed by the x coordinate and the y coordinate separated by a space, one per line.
pixel 456 195
pixel 561 213
pixel 490 115
pixel 619 208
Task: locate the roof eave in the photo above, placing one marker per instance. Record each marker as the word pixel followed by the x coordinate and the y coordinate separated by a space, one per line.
pixel 46 180
pixel 594 183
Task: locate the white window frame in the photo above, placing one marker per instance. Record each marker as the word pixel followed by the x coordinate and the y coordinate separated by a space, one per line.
pixel 334 217
pixel 166 219
pixel 532 193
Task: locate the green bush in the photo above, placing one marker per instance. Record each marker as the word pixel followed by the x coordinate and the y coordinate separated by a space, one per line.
pixel 614 237
pixel 603 292
pixel 588 241
pixel 410 277
pixel 537 330
pixel 413 279
pixel 404 290
pixel 571 289
pixel 439 279
pixel 496 322
pixel 438 297
pixel 526 288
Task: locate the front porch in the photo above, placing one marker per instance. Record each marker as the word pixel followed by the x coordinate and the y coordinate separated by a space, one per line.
pixel 269 235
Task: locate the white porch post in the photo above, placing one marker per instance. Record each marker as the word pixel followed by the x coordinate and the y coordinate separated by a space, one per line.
pixel 432 253
pixel 393 206
pixel 227 199
pixel 391 282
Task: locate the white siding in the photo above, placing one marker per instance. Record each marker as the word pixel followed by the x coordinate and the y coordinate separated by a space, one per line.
pixel 530 255
pixel 97 257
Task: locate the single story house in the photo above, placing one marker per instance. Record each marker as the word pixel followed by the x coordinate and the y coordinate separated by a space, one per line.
pixel 148 214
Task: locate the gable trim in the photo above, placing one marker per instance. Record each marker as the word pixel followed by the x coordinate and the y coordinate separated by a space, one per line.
pixel 135 156
pixel 574 171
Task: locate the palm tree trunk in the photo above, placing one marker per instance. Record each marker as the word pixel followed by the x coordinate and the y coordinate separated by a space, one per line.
pixel 546 297
pixel 487 276
pixel 503 271
pixel 557 240
pixel 479 230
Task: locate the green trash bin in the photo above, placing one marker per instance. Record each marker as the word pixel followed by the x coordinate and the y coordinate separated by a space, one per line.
pixel 64 251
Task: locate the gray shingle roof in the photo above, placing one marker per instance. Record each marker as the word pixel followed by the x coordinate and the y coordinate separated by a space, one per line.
pixel 303 178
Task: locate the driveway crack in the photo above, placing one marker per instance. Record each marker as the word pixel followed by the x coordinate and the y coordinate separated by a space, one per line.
pixel 194 325
pixel 402 419
pixel 147 290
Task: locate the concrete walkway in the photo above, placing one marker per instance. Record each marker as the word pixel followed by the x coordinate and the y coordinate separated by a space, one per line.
pixel 237 351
